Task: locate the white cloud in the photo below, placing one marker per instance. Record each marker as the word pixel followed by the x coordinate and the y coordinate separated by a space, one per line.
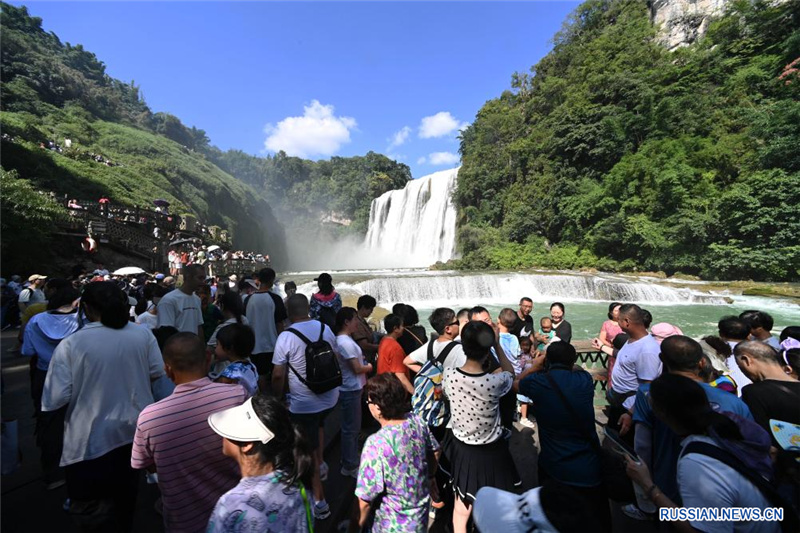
pixel 399 138
pixel 317 133
pixel 443 158
pixel 439 125
pixel 421 160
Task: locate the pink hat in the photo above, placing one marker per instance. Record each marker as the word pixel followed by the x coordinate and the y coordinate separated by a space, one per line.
pixel 662 330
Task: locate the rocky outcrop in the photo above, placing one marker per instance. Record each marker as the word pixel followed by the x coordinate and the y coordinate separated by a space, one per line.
pixel 683 22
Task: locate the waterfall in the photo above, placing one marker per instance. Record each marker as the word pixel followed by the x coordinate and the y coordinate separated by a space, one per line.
pixel 447 288
pixel 415 226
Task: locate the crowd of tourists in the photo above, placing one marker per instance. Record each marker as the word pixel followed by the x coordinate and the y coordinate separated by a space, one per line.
pixel 219 391
pixel 179 257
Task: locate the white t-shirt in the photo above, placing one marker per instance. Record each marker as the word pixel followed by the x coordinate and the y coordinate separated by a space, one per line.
pixel 348 349
pixel 212 341
pixel 181 311
pixel 706 482
pixel 31 296
pixel 637 363
pixel 103 375
pixel 148 319
pixel 290 350
pixel 261 316
pixel 736 372
pixel 455 359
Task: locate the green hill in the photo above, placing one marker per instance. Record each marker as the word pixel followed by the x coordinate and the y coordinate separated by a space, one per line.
pixel 53 92
pixel 614 153
pixel 305 192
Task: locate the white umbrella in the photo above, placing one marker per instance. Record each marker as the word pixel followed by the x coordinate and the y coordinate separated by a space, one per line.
pixel 128 271
pixel 212 248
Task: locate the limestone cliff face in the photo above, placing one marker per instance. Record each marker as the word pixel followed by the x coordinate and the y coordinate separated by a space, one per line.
pixel 682 22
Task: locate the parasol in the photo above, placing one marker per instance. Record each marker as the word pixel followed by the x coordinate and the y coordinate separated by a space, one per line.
pixel 128 271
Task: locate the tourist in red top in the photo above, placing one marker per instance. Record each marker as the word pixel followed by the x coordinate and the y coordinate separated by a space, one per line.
pixel 391 354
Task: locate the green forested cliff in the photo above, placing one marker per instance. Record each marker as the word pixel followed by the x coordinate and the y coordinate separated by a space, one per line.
pixel 53 91
pixel 616 154
pixel 612 153
pixel 304 192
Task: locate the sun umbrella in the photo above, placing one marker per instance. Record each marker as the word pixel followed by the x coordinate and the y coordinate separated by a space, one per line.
pixel 128 271
pixel 212 248
pixel 161 202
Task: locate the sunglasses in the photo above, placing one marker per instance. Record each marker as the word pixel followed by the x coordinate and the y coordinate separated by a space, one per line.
pixel 456 323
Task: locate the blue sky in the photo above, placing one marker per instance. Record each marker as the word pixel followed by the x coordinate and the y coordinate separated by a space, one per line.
pixel 317 78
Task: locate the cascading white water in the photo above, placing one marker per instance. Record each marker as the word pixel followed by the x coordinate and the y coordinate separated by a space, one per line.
pixel 416 225
pixel 447 288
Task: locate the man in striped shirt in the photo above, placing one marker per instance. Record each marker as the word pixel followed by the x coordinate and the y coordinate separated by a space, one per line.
pixel 173 437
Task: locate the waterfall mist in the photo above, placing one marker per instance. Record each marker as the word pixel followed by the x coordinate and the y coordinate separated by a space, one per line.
pixel 411 227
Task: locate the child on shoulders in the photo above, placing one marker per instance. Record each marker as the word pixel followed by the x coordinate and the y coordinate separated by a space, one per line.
pixel 235 343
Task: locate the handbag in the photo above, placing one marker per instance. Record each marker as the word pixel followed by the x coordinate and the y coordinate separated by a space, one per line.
pixel 612 468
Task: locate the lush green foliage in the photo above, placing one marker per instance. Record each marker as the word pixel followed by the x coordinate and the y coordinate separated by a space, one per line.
pixel 27 222
pixel 616 154
pixel 306 192
pixel 54 91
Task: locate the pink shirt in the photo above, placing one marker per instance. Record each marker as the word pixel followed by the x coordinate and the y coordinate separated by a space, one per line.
pixel 174 435
pixel 612 329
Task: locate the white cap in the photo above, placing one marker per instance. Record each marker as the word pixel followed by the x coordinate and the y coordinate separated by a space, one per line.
pixel 240 424
pixel 506 512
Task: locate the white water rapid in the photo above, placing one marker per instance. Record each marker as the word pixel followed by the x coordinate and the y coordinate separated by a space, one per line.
pixel 416 225
pixel 429 289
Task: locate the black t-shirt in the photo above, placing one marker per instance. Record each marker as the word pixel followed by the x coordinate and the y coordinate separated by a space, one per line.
pixel 412 338
pixel 564 331
pixel 522 325
pixel 779 400
pixel 280 308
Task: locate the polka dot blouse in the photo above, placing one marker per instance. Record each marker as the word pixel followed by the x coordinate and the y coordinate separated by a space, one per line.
pixel 474 404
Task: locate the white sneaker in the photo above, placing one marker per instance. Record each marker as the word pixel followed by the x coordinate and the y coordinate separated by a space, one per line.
pixel 323 471
pixel 631 511
pixel 527 423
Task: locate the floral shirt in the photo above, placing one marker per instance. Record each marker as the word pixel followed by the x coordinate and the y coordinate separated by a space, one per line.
pixel 394 476
pixel 260 503
pixel 245 373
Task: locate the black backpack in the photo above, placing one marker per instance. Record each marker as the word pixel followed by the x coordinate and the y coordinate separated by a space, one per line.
pixel 327 316
pixel 322 364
